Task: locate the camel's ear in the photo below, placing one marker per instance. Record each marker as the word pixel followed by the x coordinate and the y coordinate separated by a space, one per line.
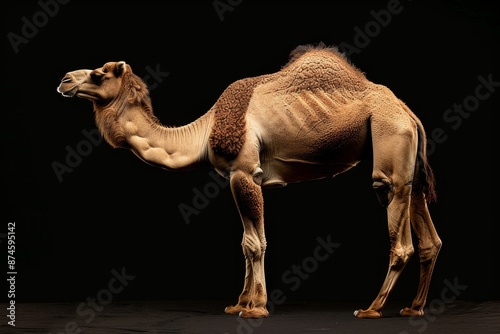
pixel 120 68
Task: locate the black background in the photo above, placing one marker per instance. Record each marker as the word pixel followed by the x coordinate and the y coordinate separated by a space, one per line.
pixel 114 211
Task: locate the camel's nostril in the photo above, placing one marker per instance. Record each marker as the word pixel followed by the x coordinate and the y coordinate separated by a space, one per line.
pixel 66 79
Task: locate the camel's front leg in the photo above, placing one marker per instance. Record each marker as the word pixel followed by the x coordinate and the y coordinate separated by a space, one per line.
pixel 249 200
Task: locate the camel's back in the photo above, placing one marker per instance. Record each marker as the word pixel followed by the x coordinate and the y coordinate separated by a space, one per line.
pixel 316 84
pixel 317 91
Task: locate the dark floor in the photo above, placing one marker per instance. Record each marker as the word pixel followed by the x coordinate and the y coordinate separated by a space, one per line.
pixel 208 317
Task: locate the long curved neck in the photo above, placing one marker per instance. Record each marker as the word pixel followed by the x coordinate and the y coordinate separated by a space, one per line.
pixel 172 148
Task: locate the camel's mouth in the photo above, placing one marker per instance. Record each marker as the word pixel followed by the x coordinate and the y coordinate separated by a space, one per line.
pixel 67 87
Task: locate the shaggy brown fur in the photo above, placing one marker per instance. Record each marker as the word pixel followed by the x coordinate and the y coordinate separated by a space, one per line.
pixel 228 133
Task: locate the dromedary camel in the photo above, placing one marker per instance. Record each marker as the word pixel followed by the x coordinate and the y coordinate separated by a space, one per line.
pixel 316 117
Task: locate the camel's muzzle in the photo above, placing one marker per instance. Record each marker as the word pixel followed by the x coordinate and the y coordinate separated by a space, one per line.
pixel 67 87
pixel 69 84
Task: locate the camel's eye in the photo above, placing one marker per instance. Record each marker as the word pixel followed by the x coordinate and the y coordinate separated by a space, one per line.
pixel 96 76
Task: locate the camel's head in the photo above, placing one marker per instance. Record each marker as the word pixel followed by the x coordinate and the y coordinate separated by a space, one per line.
pixel 99 86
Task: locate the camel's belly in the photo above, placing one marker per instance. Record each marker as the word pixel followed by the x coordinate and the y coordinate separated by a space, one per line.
pixel 288 159
pixel 280 172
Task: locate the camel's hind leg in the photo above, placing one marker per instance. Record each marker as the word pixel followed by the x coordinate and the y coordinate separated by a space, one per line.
pixel 429 245
pixel 401 248
pixel 393 168
pixel 248 197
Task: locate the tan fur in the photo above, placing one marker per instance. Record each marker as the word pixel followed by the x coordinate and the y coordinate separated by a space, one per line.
pixel 316 117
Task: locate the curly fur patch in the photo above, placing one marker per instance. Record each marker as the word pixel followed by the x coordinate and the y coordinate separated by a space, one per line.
pixel 228 133
pixel 250 201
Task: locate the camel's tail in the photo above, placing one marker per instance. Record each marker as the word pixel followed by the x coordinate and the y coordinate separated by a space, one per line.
pixel 424 176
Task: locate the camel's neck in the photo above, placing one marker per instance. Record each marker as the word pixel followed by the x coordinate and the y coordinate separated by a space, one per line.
pixel 172 148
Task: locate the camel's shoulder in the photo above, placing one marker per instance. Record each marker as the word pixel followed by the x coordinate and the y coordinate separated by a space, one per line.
pixel 228 132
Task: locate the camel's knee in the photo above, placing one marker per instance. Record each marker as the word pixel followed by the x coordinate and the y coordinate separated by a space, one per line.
pixel 253 247
pixel 401 255
pixel 430 253
pixel 384 191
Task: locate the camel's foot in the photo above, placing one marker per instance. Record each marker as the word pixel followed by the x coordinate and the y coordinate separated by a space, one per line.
pixel 245 312
pixel 256 312
pixel 234 309
pixel 411 312
pixel 367 314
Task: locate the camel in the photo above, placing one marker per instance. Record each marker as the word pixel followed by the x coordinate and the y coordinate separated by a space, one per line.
pixel 316 117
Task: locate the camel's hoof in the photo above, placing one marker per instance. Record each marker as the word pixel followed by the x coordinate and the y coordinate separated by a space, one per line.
pixel 233 309
pixel 254 313
pixel 410 312
pixel 367 314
